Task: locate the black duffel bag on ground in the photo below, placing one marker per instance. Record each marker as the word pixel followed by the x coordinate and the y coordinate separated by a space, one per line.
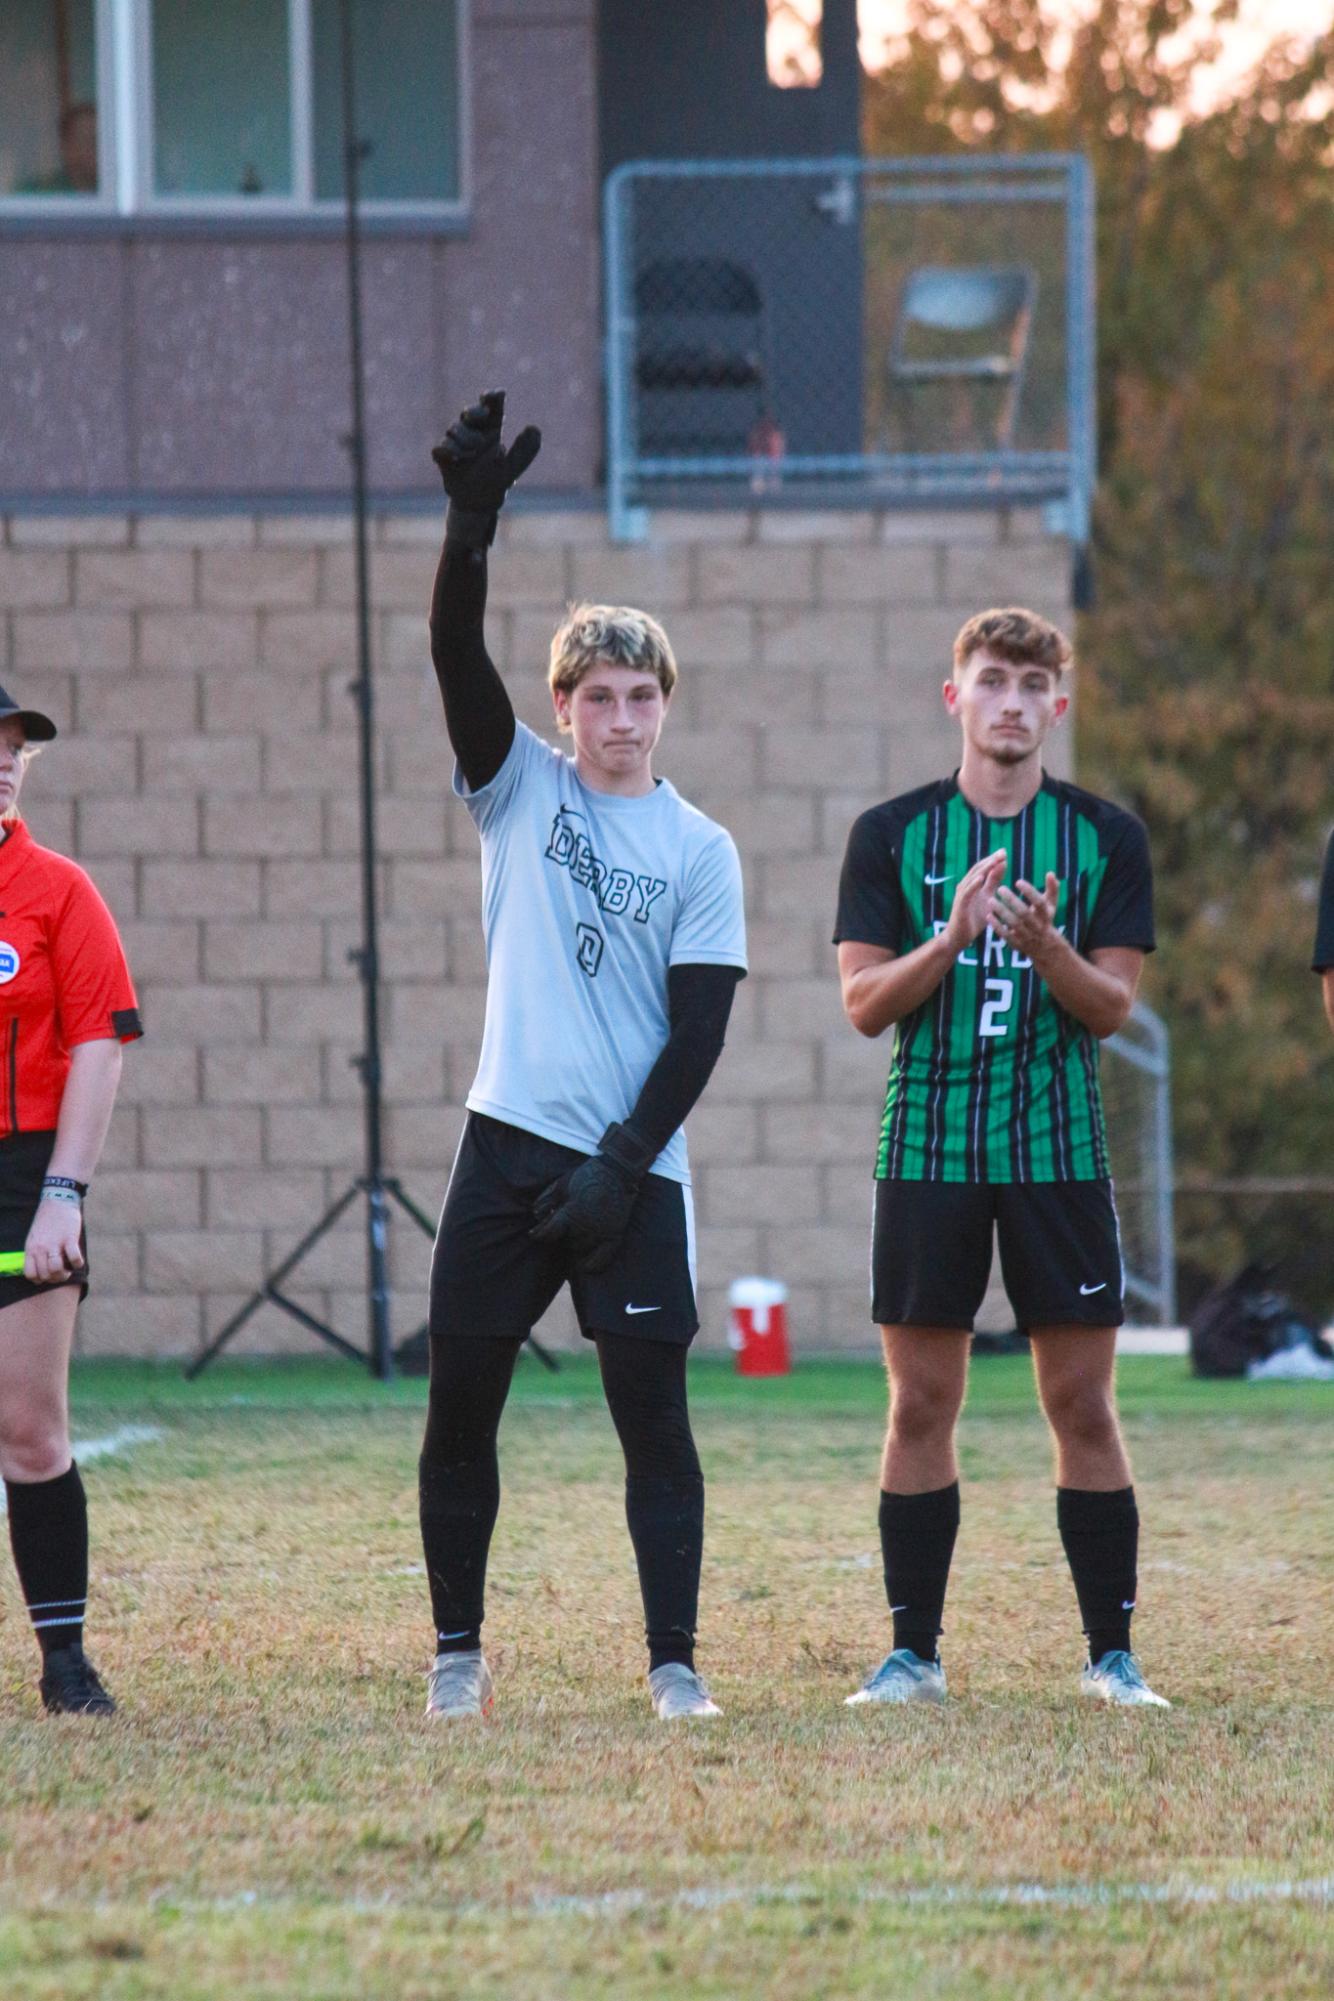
pixel 1243 1321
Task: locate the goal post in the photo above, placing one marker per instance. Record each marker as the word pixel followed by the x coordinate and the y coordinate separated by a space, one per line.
pixel 1137 1095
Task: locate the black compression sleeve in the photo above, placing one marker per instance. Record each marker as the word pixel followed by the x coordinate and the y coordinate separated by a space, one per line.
pixel 699 1001
pixel 478 712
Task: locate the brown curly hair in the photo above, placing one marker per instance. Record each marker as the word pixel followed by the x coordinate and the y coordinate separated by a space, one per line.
pixel 1016 635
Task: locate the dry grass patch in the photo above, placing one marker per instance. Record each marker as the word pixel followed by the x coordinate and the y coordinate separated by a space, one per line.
pixel 270 1814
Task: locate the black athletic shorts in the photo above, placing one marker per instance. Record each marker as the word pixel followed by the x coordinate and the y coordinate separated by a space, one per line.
pixel 488 1277
pixel 1060 1252
pixel 23 1162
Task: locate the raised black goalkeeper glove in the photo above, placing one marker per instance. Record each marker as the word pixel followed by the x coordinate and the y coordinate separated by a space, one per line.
pixel 588 1208
pixel 478 472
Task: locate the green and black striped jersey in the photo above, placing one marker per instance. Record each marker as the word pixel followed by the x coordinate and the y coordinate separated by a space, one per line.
pixel 991 1079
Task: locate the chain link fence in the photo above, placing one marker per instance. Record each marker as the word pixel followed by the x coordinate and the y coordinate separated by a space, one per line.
pixel 878 331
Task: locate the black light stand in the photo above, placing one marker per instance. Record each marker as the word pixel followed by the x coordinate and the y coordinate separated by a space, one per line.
pixel 373 1184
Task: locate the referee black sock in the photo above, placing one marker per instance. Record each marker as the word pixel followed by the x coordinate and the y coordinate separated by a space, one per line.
pixel 917 1533
pixel 48 1532
pixel 1100 1533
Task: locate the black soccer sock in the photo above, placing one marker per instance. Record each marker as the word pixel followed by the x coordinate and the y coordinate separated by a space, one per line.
pixel 645 1383
pixel 458 1481
pixel 666 1523
pixel 48 1532
pixel 458 1507
pixel 917 1534
pixel 1100 1533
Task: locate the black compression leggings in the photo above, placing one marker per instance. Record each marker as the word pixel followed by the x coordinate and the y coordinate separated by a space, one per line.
pixel 645 1385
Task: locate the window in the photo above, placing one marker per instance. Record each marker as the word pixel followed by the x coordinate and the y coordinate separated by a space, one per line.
pixel 222 97
pixel 792 44
pixel 49 138
pixel 228 107
pixel 405 60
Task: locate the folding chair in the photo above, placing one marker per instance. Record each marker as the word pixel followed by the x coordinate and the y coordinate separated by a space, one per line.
pixel 965 324
pixel 700 356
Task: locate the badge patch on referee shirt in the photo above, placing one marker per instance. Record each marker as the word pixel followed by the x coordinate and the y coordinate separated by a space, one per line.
pixel 9 963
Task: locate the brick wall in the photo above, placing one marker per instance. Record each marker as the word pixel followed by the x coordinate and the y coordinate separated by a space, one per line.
pixel 210 357
pixel 207 777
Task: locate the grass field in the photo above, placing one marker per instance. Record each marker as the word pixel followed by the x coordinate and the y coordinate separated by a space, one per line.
pixel 270 1815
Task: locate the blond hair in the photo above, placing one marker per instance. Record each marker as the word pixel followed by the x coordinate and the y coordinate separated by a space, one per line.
pixel 1016 635
pixel 611 635
pixel 27 752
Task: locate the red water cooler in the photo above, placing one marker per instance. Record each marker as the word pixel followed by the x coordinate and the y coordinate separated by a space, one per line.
pixel 758 1331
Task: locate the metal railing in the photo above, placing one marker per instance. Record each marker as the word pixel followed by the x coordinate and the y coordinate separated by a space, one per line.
pixel 1137 1095
pixel 847 330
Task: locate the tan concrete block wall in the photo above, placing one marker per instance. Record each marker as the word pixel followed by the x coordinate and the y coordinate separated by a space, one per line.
pixel 207 777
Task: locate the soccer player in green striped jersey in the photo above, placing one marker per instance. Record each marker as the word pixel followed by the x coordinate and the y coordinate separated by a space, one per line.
pixel 997 921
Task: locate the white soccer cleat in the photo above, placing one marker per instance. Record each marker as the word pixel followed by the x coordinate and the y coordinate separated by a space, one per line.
pixel 902 1677
pixel 458 1686
pixel 678 1691
pixel 1117 1679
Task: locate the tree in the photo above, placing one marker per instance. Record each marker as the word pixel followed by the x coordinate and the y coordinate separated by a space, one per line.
pixel 1207 668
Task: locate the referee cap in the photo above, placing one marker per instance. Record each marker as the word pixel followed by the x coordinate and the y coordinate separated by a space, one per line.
pixel 36 727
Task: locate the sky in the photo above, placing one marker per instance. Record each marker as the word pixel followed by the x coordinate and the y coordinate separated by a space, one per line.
pixel 1260 21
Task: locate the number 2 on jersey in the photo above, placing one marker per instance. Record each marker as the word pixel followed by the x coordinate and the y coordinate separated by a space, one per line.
pixel 996 1002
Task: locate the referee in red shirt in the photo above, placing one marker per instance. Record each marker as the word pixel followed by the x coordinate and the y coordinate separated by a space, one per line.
pixel 66 1006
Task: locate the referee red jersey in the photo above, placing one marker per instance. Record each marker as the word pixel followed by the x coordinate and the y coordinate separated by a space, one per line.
pixel 63 979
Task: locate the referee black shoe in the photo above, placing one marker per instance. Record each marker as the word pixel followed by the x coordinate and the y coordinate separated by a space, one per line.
pixel 70 1685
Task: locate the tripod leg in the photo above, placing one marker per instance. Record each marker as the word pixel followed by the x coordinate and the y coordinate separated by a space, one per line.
pixel 220 1340
pixel 392 1186
pixel 274 1279
pixel 382 1351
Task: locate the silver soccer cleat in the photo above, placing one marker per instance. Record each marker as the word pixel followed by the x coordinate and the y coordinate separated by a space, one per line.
pixel 459 1685
pixel 902 1677
pixel 1117 1679
pixel 678 1691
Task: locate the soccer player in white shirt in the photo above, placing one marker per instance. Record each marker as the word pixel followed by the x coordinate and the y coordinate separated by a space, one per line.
pixel 615 939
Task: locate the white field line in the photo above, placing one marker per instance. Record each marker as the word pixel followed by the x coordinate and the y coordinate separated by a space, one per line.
pixel 615 1905
pixel 1063 1896
pixel 103 1448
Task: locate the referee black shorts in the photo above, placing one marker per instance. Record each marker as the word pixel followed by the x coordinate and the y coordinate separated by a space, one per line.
pixel 489 1278
pixel 23 1161
pixel 1060 1252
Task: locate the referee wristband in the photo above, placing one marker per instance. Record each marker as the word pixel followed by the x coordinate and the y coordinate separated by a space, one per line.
pixel 79 1188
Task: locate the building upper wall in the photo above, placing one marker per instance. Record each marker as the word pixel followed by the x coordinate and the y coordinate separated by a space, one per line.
pixel 659 94
pixel 207 359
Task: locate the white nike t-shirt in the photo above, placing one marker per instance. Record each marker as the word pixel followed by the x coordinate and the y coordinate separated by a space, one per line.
pixel 587 899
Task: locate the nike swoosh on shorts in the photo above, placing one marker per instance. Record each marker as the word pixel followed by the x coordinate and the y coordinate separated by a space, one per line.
pixel 643 1309
pixel 1086 1289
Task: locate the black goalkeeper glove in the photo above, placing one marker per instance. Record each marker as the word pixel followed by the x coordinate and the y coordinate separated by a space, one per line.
pixel 478 472
pixel 588 1209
